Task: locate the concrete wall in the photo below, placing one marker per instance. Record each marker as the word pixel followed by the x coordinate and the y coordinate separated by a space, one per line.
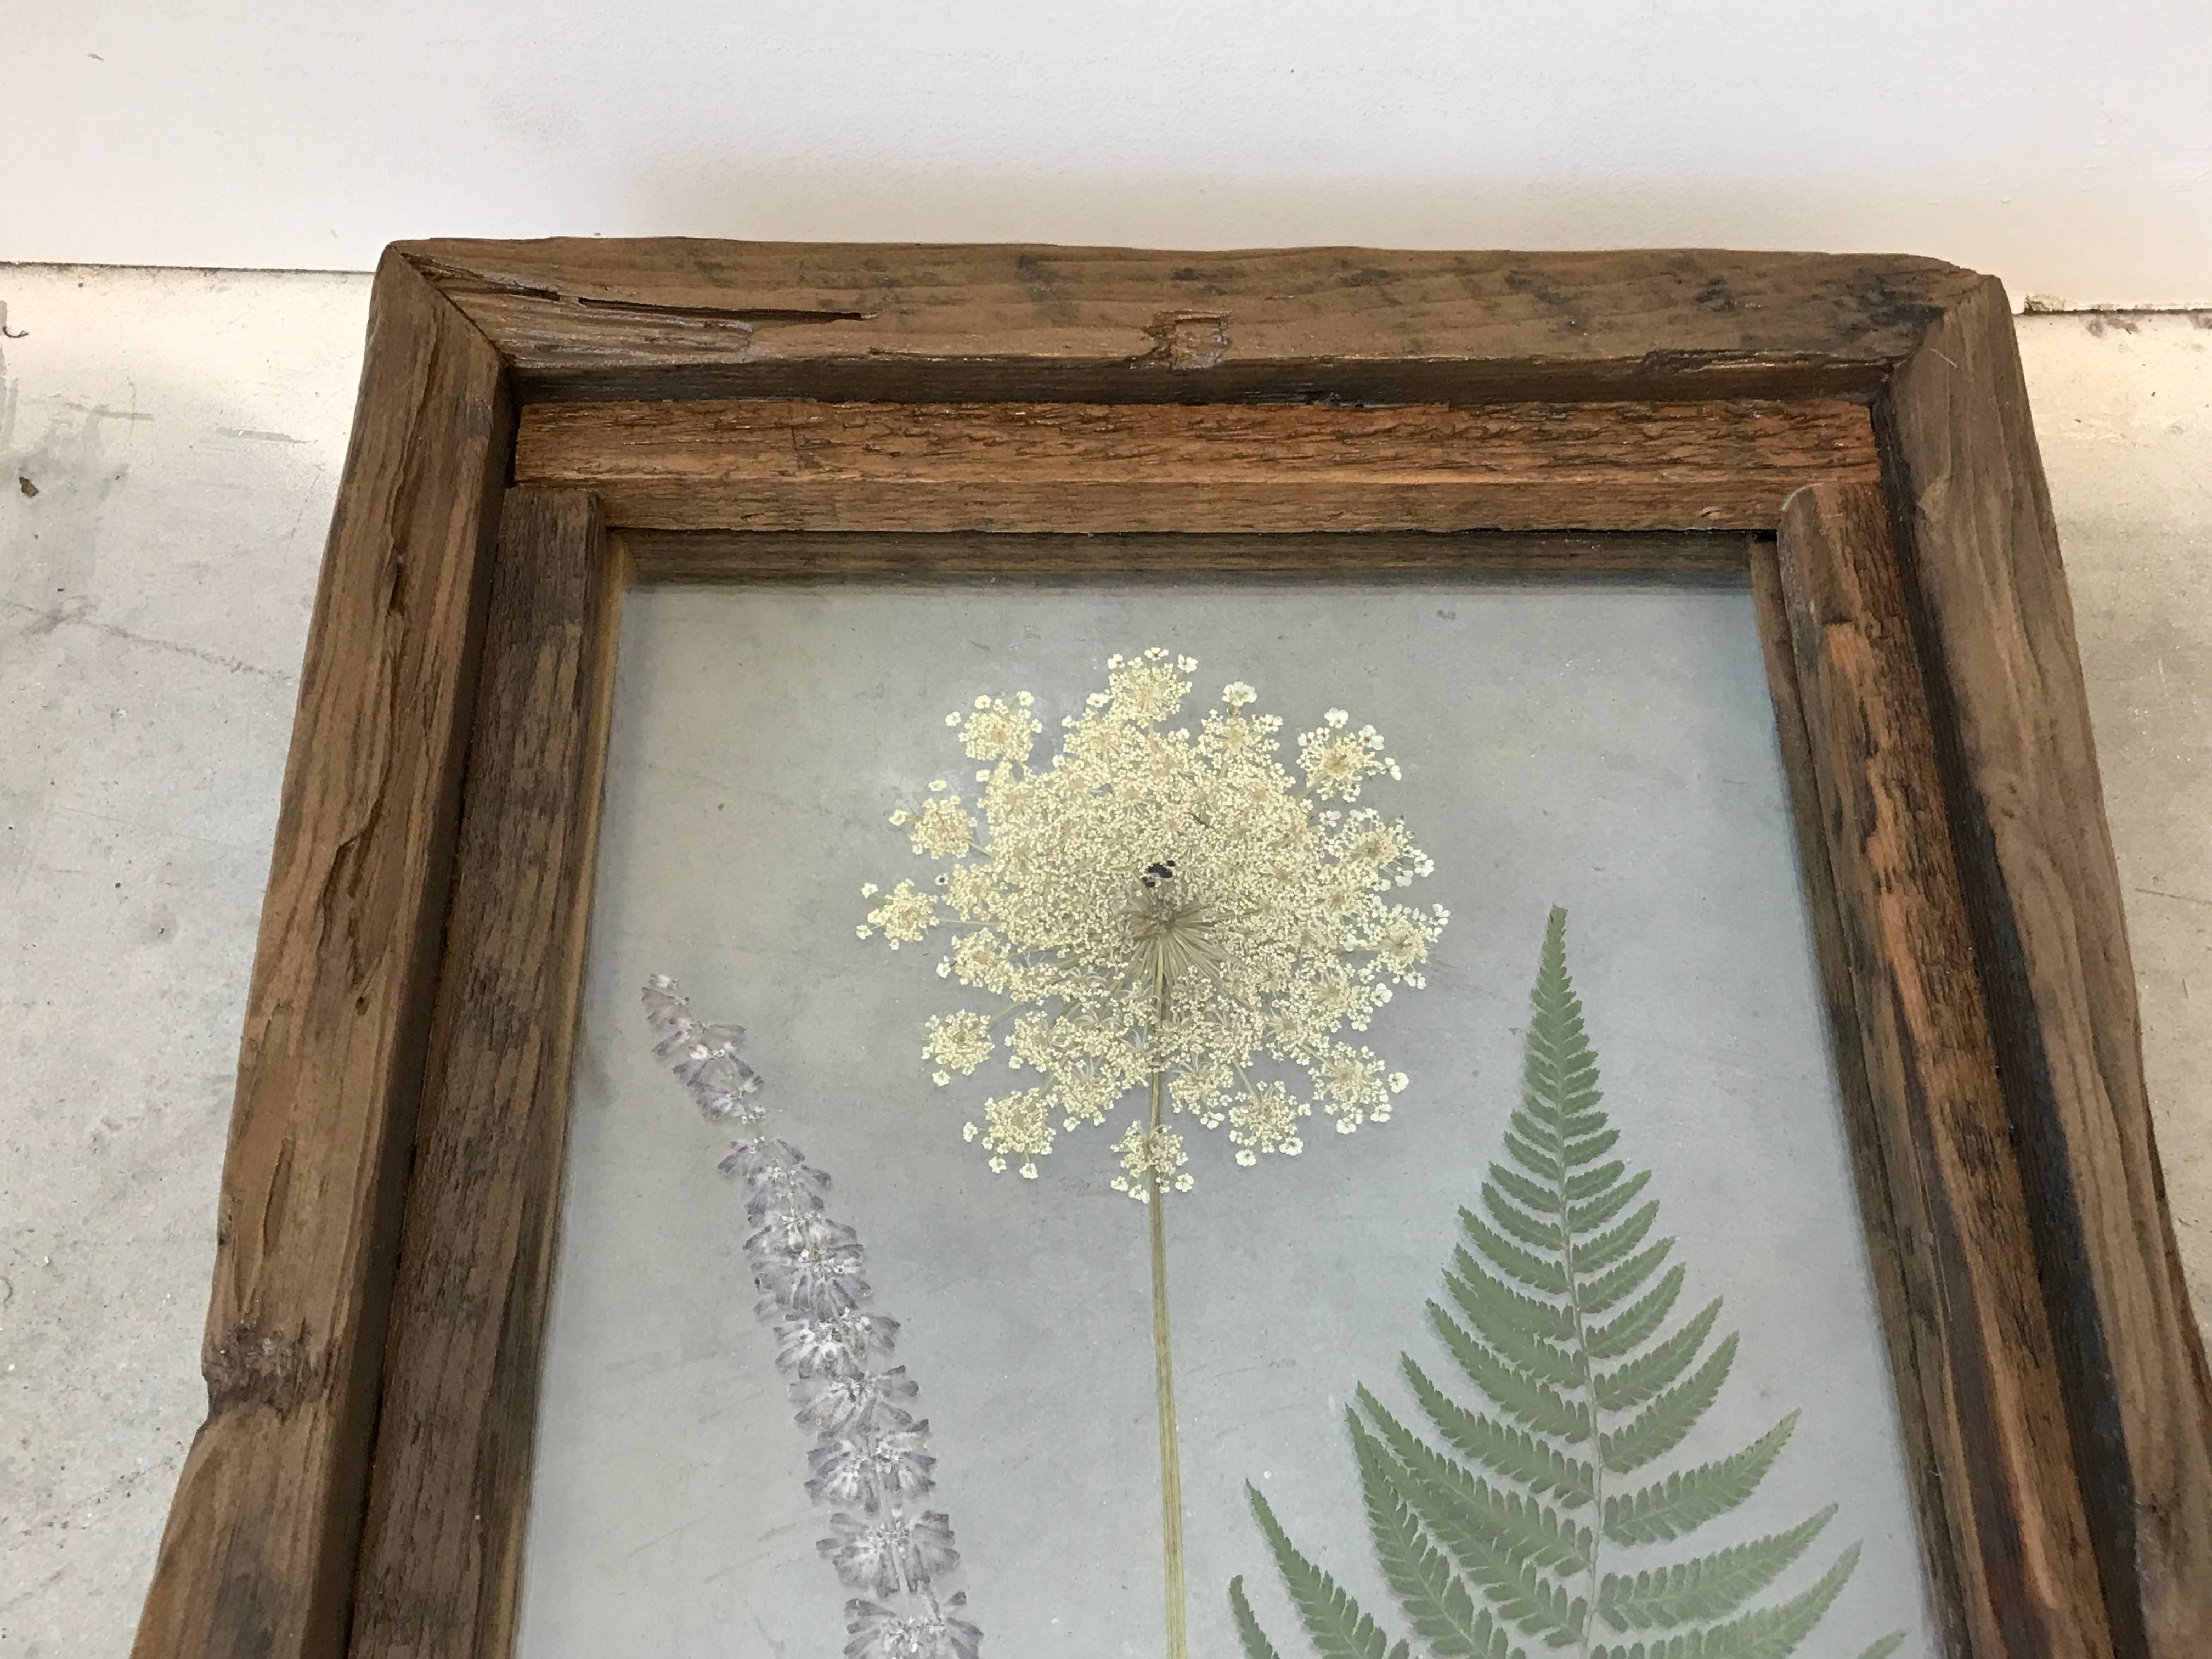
pixel 2067 148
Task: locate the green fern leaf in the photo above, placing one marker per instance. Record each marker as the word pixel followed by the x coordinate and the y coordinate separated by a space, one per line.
pixel 1635 1325
pixel 1764 1633
pixel 1607 1202
pixel 1503 1542
pixel 1627 1387
pixel 1539 1321
pixel 1597 1254
pixel 1567 1299
pixel 1605 1290
pixel 1683 1503
pixel 1254 1640
pixel 1437 1602
pixel 1543 1200
pixel 1529 1145
pixel 1579 1152
pixel 1514 1453
pixel 1339 1628
pixel 1512 1260
pixel 1498 1317
pixel 1537 1234
pixel 1521 1527
pixel 1583 1114
pixel 1535 1403
pixel 1708 1587
pixel 1663 1423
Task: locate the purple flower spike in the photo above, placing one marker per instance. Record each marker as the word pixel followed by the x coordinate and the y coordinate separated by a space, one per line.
pixel 870 1454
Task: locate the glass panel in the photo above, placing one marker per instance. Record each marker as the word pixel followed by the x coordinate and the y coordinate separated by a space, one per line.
pixel 1473 1356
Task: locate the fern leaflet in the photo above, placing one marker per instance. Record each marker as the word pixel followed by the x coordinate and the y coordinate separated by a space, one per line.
pixel 1339 1627
pixel 1561 1235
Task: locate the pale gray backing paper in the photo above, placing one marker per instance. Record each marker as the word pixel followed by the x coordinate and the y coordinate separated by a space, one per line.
pixel 1606 744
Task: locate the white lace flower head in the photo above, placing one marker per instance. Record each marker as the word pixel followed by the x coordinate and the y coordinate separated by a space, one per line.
pixel 1162 896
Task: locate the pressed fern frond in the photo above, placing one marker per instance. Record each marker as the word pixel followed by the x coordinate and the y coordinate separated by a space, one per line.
pixel 1561 1315
pixel 1254 1640
pixel 1710 1586
pixel 1339 1627
pixel 1684 1502
pixel 1437 1602
pixel 1536 1463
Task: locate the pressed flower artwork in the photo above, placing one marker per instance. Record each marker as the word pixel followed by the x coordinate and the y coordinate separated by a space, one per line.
pixel 1133 977
pixel 1165 914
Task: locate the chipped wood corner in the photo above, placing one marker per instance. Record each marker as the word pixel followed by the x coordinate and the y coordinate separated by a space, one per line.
pixel 1913 590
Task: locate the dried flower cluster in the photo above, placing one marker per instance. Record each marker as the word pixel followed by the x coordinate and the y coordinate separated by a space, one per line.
pixel 1161 900
pixel 869 1461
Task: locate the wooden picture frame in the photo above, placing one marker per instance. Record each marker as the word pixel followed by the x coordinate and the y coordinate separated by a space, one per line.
pixel 541 423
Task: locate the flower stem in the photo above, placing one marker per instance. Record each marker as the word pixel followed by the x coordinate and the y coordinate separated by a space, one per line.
pixel 1170 1459
pixel 1164 1378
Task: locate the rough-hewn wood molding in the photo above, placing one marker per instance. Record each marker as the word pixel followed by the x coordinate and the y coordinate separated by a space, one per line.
pixel 660 318
pixel 1033 468
pixel 1989 1390
pixel 442 1554
pixel 257 1558
pixel 2036 856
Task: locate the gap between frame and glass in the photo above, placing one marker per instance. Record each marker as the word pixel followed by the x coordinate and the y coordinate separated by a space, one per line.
pixel 1632 754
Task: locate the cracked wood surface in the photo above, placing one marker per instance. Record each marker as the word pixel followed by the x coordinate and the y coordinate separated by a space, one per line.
pixel 670 317
pixel 786 465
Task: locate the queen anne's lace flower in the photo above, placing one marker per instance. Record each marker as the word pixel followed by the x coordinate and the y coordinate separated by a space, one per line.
pixel 1267 1122
pixel 1164 899
pixel 1151 1157
pixel 904 916
pixel 961 1040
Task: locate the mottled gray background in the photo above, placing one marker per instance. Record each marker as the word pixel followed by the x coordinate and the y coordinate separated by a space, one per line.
pixel 1603 745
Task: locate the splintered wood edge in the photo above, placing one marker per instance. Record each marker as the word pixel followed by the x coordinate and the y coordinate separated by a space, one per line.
pixel 1007 468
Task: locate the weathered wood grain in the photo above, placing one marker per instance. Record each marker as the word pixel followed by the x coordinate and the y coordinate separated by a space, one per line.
pixel 1988 1382
pixel 2044 899
pixel 766 464
pixel 441 1551
pixel 668 318
pixel 715 556
pixel 1905 1288
pixel 258 1558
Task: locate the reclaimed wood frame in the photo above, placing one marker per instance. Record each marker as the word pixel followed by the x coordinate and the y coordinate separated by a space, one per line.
pixel 541 423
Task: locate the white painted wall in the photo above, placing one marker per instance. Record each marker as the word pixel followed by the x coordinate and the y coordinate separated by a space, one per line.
pixel 2065 145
